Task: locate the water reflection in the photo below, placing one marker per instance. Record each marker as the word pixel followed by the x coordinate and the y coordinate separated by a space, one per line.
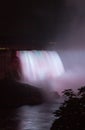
pixel 27 117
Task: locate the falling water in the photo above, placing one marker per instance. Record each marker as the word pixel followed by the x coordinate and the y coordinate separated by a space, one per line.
pixel 40 68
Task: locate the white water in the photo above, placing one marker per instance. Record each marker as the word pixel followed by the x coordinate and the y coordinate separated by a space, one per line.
pixel 41 68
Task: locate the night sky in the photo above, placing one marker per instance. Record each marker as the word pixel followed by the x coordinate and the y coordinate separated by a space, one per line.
pixel 40 22
pixel 34 21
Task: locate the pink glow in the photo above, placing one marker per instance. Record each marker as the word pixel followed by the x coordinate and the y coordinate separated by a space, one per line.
pixel 40 66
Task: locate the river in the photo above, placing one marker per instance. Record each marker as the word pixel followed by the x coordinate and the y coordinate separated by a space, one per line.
pixel 28 117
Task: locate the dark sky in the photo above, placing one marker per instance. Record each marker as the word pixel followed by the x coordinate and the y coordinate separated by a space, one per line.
pixel 39 21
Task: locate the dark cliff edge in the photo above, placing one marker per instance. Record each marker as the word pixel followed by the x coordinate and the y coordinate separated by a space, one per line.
pixel 13 93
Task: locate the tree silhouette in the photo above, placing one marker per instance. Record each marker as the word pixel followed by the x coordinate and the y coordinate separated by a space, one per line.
pixel 81 91
pixel 71 114
pixel 68 93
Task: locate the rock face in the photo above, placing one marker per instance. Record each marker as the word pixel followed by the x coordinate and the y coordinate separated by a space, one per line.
pixel 13 93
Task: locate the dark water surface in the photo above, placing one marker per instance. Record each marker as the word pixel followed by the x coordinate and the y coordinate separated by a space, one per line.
pixel 28 117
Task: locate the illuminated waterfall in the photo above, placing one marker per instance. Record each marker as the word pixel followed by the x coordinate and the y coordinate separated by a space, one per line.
pixel 39 66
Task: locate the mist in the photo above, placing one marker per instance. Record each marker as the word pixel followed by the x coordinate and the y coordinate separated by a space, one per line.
pixel 71 74
pixel 70 27
pixel 74 65
pixel 71 47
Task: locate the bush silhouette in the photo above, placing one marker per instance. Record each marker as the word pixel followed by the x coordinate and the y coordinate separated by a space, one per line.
pixel 71 114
